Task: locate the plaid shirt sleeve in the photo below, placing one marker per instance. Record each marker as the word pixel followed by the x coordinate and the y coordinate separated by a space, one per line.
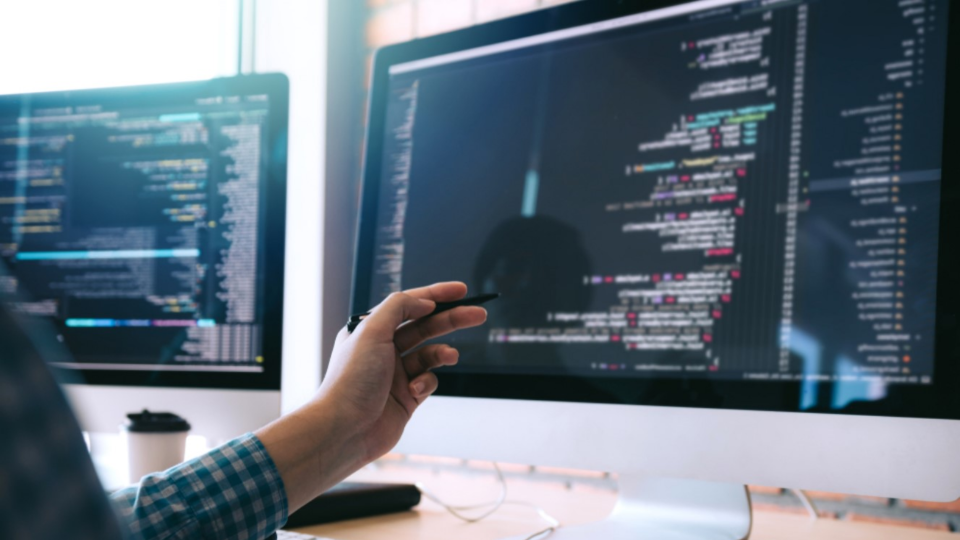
pixel 234 491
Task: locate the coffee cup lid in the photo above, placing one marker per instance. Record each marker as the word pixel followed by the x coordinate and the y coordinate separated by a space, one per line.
pixel 152 422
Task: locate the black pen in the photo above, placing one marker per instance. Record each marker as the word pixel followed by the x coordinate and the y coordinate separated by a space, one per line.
pixel 441 307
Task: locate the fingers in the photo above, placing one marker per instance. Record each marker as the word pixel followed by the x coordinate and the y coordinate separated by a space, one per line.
pixel 392 312
pixel 423 386
pixel 429 357
pixel 440 292
pixel 415 333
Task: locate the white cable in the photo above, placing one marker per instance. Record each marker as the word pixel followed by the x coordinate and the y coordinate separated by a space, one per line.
pixel 807 503
pixel 553 523
pixel 456 510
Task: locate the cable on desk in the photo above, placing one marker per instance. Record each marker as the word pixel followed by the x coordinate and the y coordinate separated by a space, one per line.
pixel 457 510
pixel 807 503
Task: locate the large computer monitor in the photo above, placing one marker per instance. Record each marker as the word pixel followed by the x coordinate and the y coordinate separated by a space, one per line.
pixel 147 224
pixel 724 233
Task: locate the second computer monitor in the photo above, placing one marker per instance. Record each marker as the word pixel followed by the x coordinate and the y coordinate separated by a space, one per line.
pixel 146 224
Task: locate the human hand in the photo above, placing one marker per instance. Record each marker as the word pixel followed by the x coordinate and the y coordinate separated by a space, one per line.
pixel 376 379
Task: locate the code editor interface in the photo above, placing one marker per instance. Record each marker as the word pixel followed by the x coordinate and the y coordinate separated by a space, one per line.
pixel 744 191
pixel 135 225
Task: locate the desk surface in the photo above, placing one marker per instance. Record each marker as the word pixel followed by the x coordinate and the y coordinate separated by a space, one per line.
pixel 571 506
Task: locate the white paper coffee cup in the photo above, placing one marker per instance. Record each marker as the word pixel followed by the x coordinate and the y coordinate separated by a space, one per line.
pixel 155 442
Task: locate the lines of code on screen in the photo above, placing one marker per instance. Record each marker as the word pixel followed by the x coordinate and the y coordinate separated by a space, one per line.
pixel 135 225
pixel 749 192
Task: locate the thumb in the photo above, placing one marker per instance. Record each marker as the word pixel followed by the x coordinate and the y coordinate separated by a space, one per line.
pixel 394 311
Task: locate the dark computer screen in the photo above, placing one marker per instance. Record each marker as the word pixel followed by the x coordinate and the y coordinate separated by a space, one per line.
pixel 138 221
pixel 717 191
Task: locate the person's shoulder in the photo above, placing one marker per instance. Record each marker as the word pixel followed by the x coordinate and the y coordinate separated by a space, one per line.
pixel 43 457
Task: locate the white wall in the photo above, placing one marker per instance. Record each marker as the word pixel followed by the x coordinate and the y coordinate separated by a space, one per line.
pixel 291 38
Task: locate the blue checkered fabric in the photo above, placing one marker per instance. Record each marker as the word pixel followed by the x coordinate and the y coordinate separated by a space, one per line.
pixel 232 492
pixel 49 489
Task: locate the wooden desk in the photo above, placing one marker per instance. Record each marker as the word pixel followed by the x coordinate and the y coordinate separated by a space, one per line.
pixel 571 506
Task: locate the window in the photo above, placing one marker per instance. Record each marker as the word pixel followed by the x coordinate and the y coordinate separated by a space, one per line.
pixel 64 44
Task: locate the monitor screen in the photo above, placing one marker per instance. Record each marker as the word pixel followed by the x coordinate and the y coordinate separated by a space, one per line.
pixel 724 190
pixel 137 220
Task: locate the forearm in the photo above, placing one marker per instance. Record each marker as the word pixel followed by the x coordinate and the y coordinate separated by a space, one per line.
pixel 312 451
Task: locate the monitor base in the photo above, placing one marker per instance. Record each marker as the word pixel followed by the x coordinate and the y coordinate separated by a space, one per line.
pixel 667 509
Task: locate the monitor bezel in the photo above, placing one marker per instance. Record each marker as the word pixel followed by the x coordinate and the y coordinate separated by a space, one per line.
pixel 276 87
pixel 936 401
